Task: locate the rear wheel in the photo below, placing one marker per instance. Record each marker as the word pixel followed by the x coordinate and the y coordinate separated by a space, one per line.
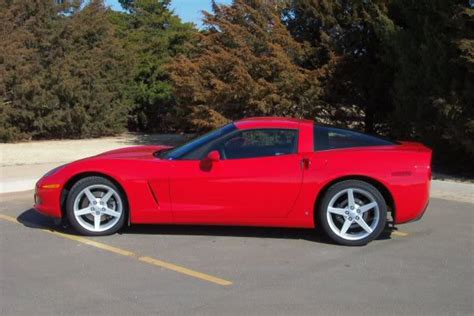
pixel 352 213
pixel 95 206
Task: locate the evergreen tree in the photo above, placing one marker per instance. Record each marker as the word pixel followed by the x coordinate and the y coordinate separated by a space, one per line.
pixel 400 67
pixel 245 63
pixel 25 25
pixel 63 71
pixel 353 33
pixel 153 34
pixel 433 90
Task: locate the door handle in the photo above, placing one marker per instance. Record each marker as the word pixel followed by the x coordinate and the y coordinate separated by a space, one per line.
pixel 305 163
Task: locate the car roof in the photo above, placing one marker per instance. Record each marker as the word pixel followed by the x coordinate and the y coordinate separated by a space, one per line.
pixel 270 121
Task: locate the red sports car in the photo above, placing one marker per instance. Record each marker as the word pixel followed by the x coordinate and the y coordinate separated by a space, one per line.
pixel 256 172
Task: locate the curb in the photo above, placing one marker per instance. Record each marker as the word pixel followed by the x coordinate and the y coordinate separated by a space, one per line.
pixel 17 185
pixel 453 191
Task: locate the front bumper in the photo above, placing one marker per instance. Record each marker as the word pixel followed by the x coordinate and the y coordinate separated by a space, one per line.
pixel 47 200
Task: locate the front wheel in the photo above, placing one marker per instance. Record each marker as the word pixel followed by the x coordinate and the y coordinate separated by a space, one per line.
pixel 352 213
pixel 95 206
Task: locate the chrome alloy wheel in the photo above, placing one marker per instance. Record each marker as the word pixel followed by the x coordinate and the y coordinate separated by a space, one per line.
pixel 97 208
pixel 353 214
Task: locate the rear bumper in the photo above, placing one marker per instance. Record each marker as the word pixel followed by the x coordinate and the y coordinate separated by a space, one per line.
pixel 421 214
pixel 411 202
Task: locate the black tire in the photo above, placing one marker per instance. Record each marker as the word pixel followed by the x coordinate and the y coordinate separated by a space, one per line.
pixel 332 192
pixel 77 188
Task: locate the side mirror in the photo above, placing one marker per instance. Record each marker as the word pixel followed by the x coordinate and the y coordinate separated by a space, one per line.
pixel 213 156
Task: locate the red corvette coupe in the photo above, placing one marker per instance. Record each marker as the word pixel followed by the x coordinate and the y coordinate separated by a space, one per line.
pixel 256 172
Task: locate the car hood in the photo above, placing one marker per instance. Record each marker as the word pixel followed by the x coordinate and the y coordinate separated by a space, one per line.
pixel 134 152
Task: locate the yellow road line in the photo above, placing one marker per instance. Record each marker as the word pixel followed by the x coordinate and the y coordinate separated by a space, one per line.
pixel 9 218
pixel 184 270
pixel 93 243
pixel 396 233
pixel 126 253
pixel 399 233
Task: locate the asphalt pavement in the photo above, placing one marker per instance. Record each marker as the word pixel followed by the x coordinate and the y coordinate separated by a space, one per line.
pixel 423 268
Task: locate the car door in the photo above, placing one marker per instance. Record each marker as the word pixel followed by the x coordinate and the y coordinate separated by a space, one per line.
pixel 258 176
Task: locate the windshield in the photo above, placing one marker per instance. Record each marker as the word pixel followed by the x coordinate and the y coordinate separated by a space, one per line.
pixel 176 153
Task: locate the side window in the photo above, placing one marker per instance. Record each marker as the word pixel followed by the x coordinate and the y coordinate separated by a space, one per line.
pixel 326 138
pixel 196 148
pixel 260 143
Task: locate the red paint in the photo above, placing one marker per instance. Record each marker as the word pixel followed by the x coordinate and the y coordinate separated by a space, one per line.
pixel 267 191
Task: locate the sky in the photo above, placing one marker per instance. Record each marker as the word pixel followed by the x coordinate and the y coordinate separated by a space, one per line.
pixel 188 10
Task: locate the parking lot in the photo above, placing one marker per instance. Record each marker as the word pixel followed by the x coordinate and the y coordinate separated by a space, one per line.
pixel 425 267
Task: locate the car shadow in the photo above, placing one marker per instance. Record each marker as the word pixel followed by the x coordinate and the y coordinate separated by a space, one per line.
pixel 32 219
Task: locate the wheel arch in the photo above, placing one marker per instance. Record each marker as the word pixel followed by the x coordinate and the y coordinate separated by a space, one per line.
pixel 74 179
pixel 387 195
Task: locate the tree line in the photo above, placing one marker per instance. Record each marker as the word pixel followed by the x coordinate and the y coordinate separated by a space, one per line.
pixel 399 68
